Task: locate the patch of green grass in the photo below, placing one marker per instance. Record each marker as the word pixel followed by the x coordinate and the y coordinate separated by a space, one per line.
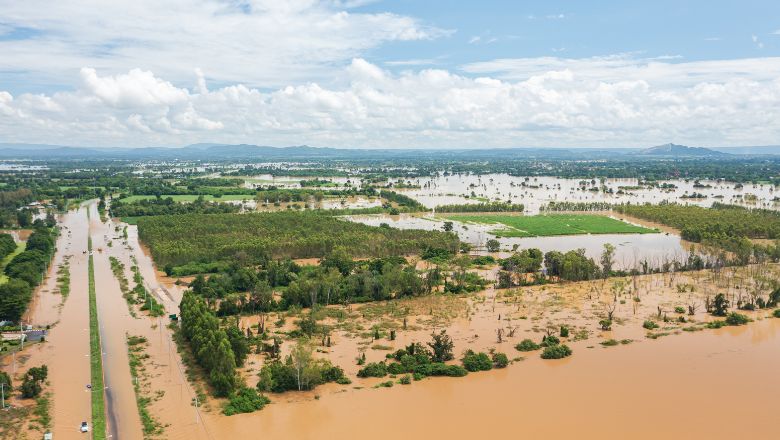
pixel 96 358
pixel 189 198
pixel 550 225
pixel 19 249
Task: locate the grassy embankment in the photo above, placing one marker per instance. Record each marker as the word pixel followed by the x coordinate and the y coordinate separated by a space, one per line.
pixel 96 358
pixel 550 225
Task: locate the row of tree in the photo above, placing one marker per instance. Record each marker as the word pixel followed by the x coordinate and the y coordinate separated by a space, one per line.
pixel 25 271
pixel 482 207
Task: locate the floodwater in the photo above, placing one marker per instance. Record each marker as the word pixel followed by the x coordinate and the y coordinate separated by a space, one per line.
pixel 66 351
pixel 534 192
pixel 630 249
pixel 715 385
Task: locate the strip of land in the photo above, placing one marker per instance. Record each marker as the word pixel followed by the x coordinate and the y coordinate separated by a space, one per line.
pixel 550 225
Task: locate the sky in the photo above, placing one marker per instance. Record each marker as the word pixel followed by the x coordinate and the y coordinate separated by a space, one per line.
pixel 390 74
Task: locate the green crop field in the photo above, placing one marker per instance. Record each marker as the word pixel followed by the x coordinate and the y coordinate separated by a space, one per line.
pixel 549 225
pixel 190 198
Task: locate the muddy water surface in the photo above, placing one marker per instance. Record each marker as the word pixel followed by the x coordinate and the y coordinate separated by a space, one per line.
pixel 670 388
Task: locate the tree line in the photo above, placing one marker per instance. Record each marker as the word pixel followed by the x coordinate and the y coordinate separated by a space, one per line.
pixel 26 270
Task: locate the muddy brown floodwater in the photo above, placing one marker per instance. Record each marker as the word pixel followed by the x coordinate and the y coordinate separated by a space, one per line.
pixel 714 385
pixel 66 351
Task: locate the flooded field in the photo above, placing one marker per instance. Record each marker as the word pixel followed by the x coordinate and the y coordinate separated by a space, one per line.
pixel 630 249
pixel 535 192
pixel 650 390
pixel 602 391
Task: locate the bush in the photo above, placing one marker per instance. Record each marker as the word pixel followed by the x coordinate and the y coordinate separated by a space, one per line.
pixel 245 400
pixel 606 324
pixel 610 342
pixel 343 380
pixel 649 325
pixel 30 388
pixel 500 360
pixel 679 309
pixel 735 318
pixel 527 345
pixel 564 331
pixel 374 369
pixel 405 380
pixel 776 313
pixel 556 352
pixel 549 341
pixel 476 361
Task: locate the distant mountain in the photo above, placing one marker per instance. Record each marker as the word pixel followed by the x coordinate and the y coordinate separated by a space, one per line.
pixel 764 150
pixel 674 150
pixel 212 152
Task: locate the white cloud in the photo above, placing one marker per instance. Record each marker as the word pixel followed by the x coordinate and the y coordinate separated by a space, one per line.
pixel 613 102
pixel 666 71
pixel 265 43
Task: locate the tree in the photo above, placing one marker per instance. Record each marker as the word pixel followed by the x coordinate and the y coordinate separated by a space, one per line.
pixel 720 305
pixel 442 346
pixel 301 358
pixel 607 259
pixel 493 245
pixel 447 227
pixel 238 343
pixel 338 259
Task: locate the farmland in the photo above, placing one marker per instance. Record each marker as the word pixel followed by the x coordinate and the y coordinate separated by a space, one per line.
pixel 550 225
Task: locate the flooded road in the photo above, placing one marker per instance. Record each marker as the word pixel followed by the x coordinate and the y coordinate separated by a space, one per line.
pixel 66 351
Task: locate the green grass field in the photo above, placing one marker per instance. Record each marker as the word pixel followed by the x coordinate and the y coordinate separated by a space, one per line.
pixel 550 225
pixel 19 249
pixel 190 198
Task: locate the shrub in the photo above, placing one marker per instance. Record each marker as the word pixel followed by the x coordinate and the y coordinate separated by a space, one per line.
pixel 405 380
pixel 549 341
pixel 245 400
pixel 343 380
pixel 776 313
pixel 649 325
pixel 609 343
pixel 556 352
pixel 527 345
pixel 564 331
pixel 374 369
pixel 720 305
pixel 500 360
pixel 735 318
pixel 388 384
pixel 679 309
pixel 606 324
pixel 476 361
pixel 30 388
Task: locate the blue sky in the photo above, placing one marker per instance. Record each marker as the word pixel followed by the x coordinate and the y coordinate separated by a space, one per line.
pixel 694 30
pixel 396 74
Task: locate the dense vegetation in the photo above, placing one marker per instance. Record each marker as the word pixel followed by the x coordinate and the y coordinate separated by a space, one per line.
pixel 25 271
pixel 210 344
pixel 482 207
pixel 183 239
pixel 167 206
pixel 724 226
